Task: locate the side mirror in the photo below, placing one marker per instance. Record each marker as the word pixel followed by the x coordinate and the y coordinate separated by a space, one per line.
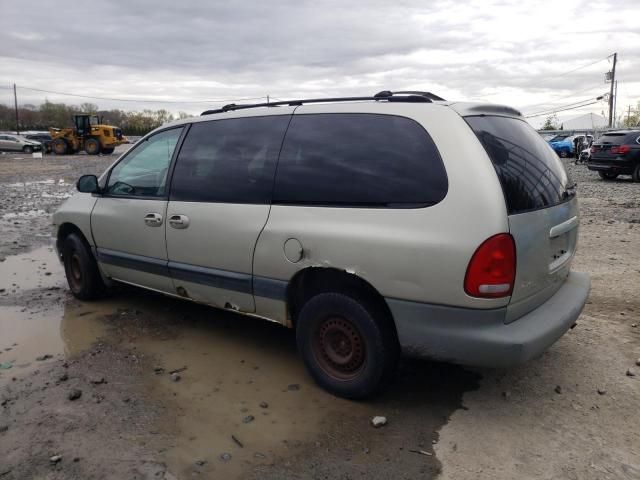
pixel 88 184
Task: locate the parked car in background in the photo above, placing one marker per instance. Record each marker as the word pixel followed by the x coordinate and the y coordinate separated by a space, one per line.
pixel 43 138
pixel 616 153
pixel 18 143
pixel 563 145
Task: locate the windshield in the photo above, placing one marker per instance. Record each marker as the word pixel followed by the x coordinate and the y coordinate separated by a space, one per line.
pixel 559 138
pixel 94 120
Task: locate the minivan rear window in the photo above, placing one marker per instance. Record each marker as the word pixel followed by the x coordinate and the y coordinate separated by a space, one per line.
pixel 531 174
pixel 359 160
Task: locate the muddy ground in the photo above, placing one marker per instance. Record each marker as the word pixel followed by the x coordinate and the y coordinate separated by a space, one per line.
pixel 239 403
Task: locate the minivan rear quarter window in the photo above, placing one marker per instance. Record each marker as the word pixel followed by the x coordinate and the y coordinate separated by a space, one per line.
pixel 359 160
pixel 531 174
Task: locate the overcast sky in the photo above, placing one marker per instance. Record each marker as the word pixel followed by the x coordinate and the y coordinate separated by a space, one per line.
pixel 519 52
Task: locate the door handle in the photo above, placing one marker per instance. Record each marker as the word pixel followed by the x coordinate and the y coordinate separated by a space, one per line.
pixel 153 219
pixel 179 221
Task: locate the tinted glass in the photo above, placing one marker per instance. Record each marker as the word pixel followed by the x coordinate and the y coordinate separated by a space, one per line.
pixel 531 174
pixel 229 161
pixel 143 172
pixel 617 138
pixel 359 160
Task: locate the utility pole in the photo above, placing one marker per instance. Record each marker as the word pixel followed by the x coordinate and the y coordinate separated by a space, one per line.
pixel 615 105
pixel 611 97
pixel 629 116
pixel 15 102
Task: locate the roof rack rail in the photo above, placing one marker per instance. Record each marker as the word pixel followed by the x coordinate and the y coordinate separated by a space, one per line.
pixel 387 95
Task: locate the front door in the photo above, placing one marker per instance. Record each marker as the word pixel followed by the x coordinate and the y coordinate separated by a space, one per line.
pixel 219 203
pixel 128 220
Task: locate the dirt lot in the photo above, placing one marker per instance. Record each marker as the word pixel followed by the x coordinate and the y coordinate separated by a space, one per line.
pixel 87 390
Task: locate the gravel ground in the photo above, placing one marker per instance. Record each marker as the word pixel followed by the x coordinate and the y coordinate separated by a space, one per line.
pixel 32 188
pixel 573 413
pixel 570 414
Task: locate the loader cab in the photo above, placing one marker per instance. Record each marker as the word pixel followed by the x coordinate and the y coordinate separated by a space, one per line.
pixel 83 123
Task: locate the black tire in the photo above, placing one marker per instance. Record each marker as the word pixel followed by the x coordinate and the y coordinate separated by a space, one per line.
pixel 81 269
pixel 563 154
pixel 92 146
pixel 27 149
pixel 107 151
pixel 636 173
pixel 349 347
pixel 60 146
pixel 608 175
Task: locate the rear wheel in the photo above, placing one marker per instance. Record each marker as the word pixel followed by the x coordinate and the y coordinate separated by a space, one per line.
pixel 81 269
pixel 107 150
pixel 348 346
pixel 92 146
pixel 636 173
pixel 60 146
pixel 608 175
pixel 27 149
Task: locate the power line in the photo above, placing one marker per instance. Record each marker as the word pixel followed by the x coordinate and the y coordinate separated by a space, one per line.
pixel 570 106
pixel 564 74
pixel 137 100
pixel 560 98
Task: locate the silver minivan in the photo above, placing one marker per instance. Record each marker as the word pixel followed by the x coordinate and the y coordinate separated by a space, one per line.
pixel 373 226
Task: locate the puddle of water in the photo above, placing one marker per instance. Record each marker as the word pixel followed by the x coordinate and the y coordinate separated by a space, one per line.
pixel 233 364
pixel 41 322
pixel 37 269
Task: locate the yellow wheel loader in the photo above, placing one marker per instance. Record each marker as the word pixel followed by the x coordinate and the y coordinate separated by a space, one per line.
pixel 88 134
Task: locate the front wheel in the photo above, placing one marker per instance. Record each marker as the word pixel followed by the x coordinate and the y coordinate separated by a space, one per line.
pixel 28 149
pixel 349 347
pixel 636 173
pixel 60 146
pixel 563 154
pixel 608 175
pixel 81 269
pixel 92 146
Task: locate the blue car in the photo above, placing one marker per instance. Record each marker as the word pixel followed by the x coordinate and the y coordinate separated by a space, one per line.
pixel 563 145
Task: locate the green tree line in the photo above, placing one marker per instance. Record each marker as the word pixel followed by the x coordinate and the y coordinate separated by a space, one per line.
pixel 59 115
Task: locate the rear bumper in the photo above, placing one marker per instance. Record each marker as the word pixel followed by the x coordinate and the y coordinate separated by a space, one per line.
pixel 480 337
pixel 613 166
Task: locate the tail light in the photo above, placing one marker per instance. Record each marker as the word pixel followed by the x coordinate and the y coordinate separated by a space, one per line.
pixel 491 271
pixel 620 149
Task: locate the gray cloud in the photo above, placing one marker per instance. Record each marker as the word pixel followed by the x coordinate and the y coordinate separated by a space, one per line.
pixel 506 51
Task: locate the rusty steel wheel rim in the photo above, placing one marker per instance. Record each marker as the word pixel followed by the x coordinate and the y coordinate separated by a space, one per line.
pixel 75 272
pixel 339 348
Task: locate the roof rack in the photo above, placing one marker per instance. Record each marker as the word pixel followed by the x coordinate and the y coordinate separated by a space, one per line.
pixel 386 95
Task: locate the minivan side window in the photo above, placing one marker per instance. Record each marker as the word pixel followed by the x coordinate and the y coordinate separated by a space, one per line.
pixel 359 160
pixel 143 172
pixel 229 161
